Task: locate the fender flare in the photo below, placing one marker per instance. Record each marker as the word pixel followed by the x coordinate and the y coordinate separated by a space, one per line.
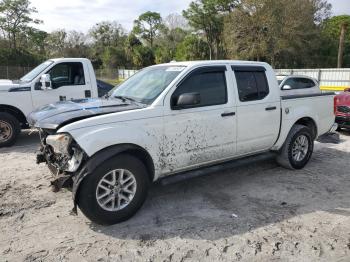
pixel 103 155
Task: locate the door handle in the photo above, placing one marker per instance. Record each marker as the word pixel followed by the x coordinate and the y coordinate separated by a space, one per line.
pixel 87 93
pixel 270 108
pixel 228 114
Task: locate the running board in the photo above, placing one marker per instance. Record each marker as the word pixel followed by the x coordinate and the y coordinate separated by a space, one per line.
pixel 216 168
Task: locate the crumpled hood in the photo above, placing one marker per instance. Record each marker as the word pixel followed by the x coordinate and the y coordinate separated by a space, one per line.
pixel 54 116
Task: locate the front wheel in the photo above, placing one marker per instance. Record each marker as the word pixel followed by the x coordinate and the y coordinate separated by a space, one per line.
pixel 115 191
pixel 297 149
pixel 9 129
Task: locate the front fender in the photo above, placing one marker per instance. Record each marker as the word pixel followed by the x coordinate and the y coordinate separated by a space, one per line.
pixel 96 138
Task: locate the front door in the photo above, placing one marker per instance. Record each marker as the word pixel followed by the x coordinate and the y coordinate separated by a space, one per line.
pixel 205 132
pixel 258 110
pixel 68 81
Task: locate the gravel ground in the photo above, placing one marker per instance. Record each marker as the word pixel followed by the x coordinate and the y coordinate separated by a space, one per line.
pixel 257 213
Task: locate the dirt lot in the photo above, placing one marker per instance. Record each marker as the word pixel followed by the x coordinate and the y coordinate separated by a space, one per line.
pixel 256 213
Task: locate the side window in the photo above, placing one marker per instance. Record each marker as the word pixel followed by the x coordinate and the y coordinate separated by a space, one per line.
pixel 211 86
pixel 305 83
pixel 262 85
pixel 67 74
pixel 299 83
pixel 290 82
pixel 252 85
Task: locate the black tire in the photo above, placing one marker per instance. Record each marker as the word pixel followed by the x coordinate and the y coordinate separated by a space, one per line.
pixel 87 200
pixel 9 124
pixel 285 157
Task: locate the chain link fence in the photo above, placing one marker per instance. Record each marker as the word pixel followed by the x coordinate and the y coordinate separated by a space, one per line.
pixel 13 72
pixel 111 73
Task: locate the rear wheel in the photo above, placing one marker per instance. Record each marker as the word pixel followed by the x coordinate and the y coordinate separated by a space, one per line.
pixel 9 129
pixel 115 191
pixel 297 149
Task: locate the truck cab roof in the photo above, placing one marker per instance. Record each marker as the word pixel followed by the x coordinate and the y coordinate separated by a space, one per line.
pixel 64 59
pixel 213 62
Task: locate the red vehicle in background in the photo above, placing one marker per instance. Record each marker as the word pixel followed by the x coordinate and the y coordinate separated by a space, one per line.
pixel 342 109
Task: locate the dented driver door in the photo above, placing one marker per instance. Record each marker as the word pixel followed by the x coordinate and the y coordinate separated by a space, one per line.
pixel 204 132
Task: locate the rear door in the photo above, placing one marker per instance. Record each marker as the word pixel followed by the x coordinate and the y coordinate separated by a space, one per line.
pixel 258 110
pixel 203 133
pixel 69 80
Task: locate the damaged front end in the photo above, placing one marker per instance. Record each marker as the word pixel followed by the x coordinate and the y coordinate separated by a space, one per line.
pixel 62 155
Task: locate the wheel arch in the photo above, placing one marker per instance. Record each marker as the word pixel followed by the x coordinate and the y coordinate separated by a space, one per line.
pixel 288 124
pixel 310 123
pixel 109 152
pixel 14 111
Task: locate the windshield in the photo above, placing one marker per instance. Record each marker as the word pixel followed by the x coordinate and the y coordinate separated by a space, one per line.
pixel 36 71
pixel 146 85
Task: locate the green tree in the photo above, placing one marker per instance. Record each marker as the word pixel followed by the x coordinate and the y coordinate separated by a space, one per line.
pixel 108 33
pixel 329 41
pixel 15 19
pixel 148 26
pixel 36 41
pixel 56 43
pixel 138 54
pixel 192 47
pixel 75 45
pixel 166 44
pixel 282 32
pixel 109 41
pixel 208 16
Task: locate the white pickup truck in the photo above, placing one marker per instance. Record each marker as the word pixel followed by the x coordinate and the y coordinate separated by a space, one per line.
pixel 54 80
pixel 174 119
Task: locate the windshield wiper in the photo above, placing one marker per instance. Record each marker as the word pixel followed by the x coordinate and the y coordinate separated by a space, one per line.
pixel 125 98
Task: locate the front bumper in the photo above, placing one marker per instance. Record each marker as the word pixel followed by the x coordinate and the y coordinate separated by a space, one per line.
pixel 343 121
pixel 62 161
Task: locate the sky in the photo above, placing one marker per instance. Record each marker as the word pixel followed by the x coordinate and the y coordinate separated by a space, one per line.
pixel 81 15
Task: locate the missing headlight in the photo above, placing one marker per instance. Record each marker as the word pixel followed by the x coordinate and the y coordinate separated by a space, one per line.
pixel 60 143
pixel 63 152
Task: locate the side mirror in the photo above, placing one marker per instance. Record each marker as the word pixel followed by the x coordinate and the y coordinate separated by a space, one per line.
pixel 286 87
pixel 187 100
pixel 45 81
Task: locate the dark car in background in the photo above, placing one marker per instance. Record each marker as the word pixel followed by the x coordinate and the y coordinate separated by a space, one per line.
pixel 103 87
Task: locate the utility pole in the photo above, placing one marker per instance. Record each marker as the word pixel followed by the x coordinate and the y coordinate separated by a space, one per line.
pixel 343 29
